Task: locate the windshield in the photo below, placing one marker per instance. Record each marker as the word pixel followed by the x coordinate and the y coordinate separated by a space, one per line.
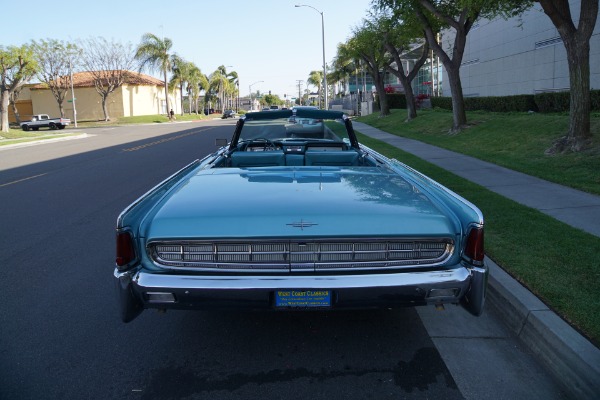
pixel 295 128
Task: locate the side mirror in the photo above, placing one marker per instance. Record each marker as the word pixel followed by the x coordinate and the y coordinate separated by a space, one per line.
pixel 221 142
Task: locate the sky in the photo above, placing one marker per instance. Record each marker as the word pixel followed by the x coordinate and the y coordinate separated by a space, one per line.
pixel 262 40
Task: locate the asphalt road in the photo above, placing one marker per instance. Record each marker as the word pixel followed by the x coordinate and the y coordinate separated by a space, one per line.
pixel 61 337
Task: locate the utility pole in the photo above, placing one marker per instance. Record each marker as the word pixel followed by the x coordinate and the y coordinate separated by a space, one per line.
pixel 300 82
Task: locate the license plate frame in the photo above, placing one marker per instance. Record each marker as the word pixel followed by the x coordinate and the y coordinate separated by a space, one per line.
pixel 305 298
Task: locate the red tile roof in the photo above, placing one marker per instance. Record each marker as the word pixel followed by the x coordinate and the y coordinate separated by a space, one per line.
pixel 86 79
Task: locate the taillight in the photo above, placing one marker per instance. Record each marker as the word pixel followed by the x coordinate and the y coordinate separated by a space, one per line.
pixel 125 249
pixel 474 247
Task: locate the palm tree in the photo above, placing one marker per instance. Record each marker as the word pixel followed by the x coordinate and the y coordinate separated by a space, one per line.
pixel 154 53
pixel 197 82
pixel 223 84
pixel 181 75
pixel 315 78
pixel 233 85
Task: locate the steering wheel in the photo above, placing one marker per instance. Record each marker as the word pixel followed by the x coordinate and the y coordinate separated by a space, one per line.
pixel 267 144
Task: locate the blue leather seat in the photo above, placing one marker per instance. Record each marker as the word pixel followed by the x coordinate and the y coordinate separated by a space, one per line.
pixel 242 159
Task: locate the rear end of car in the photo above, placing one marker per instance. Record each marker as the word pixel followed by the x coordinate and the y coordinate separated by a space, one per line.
pixel 298 234
pixel 263 258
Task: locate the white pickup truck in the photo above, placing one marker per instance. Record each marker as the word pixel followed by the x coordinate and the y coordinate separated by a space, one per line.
pixel 44 121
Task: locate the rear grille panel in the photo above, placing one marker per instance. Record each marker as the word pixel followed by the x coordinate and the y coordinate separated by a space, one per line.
pixel 293 256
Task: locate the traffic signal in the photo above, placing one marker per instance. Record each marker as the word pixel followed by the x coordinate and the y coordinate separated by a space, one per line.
pixel 269 92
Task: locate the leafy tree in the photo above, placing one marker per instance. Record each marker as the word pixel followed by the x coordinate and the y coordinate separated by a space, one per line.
pixel 459 16
pixel 577 44
pixel 55 59
pixel 271 100
pixel 17 66
pixel 366 44
pixel 109 64
pixel 154 53
pixel 397 37
pixel 345 64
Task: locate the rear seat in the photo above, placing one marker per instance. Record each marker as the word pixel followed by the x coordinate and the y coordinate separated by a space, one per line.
pixel 241 159
pixel 331 158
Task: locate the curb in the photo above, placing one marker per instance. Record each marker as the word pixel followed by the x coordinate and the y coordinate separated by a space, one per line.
pixel 570 358
pixel 50 140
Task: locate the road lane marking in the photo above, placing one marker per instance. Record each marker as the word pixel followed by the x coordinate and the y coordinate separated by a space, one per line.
pixel 143 146
pixel 21 180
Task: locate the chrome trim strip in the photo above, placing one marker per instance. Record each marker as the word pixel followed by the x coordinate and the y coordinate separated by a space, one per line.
pixel 254 256
pixel 161 282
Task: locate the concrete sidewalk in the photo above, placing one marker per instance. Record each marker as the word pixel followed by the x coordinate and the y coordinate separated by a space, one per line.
pixel 569 357
pixel 573 207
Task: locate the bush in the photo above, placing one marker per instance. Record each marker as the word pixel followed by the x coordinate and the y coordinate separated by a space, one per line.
pixel 444 103
pixel 396 100
pixel 542 102
pixel 595 100
pixel 553 102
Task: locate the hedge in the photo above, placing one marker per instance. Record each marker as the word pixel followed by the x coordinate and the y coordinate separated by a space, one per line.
pixel 396 100
pixel 542 102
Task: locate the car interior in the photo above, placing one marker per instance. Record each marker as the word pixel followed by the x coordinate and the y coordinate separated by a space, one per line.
pixel 293 141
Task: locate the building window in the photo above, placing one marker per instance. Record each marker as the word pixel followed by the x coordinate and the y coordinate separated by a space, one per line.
pixel 548 42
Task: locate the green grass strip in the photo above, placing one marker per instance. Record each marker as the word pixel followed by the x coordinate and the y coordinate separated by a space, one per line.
pixel 513 140
pixel 558 263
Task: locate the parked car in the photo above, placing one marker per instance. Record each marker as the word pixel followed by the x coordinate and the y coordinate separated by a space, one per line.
pixel 228 114
pixel 44 121
pixel 288 217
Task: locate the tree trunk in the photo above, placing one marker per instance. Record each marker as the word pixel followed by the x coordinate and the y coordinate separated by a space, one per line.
pixel 411 106
pixel 167 95
pixel 577 44
pixel 579 134
pixel 16 112
pixel 4 110
pixel 459 116
pixel 105 109
pixel 579 75
pixel 181 98
pixel 384 108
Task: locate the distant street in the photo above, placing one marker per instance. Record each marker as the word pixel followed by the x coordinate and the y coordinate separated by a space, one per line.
pixel 61 336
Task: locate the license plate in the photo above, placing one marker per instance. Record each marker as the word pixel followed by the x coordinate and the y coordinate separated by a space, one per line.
pixel 303 298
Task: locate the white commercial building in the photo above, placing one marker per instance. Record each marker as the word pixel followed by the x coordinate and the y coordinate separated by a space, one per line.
pixel 522 55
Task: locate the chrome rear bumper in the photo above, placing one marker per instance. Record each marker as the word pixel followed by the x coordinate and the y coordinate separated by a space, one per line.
pixel 139 290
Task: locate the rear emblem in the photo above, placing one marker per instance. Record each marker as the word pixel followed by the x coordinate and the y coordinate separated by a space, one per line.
pixel 302 224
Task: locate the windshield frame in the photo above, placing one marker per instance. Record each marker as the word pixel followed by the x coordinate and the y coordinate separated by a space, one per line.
pixel 288 115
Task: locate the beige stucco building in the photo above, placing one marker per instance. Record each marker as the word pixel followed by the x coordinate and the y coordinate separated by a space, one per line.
pixel 140 95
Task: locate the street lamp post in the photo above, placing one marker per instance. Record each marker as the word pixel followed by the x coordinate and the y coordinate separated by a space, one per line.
pixel 323 39
pixel 250 88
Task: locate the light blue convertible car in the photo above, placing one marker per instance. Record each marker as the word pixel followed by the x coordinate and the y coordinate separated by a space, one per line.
pixel 294 214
